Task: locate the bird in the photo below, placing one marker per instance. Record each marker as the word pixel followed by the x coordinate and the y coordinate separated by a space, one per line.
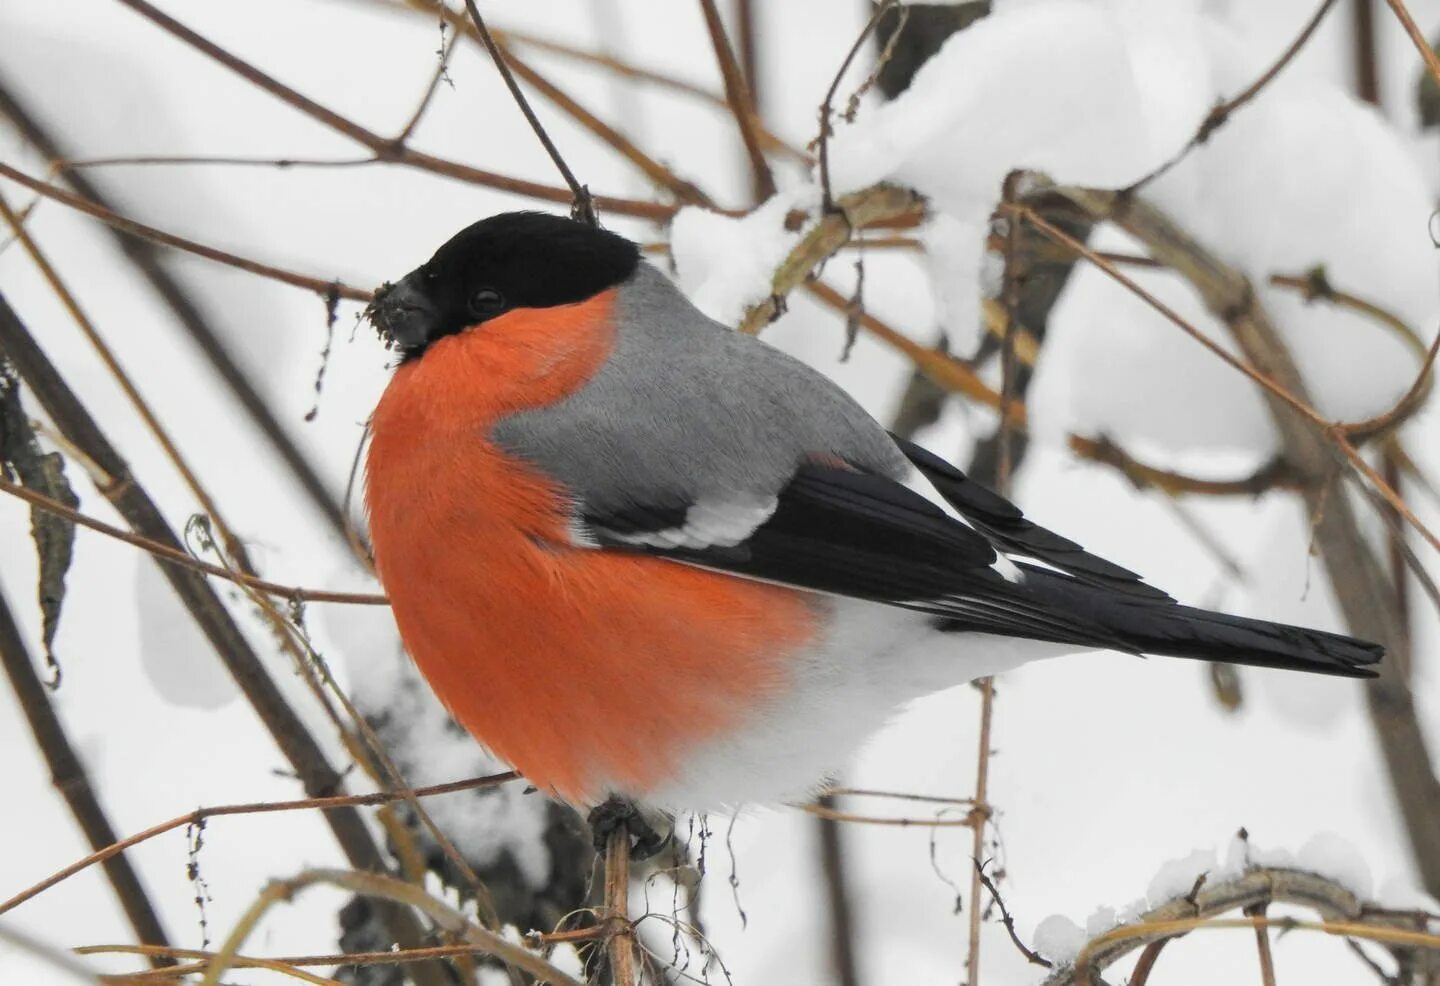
pixel 658 565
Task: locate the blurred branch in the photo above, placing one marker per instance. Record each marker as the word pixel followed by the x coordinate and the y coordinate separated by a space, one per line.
pixel 1366 67
pixel 1317 451
pixel 1427 54
pixel 1315 285
pixel 510 39
pixel 232 544
pixel 1220 114
pixel 132 501
pixel 1273 475
pixel 944 369
pixel 168 553
pixel 200 815
pixel 1232 299
pixel 50 955
pixel 325 289
pixel 186 310
pixel 841 932
pixel 737 95
pixel 70 779
pixel 383 148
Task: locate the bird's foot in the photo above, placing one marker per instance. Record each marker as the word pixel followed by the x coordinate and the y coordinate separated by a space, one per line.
pixel 615 814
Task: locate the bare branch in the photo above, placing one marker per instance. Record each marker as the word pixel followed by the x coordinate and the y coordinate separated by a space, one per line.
pixel 70 778
pixel 1220 115
pixel 831 231
pixel 741 105
pixel 383 147
pixel 397 891
pixel 582 206
pixel 162 551
pixel 827 109
pixel 321 287
pixel 252 808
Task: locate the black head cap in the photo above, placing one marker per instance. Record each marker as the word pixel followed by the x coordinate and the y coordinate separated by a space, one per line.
pixel 513 260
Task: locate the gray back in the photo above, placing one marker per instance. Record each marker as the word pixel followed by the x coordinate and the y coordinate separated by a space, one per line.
pixel 686 408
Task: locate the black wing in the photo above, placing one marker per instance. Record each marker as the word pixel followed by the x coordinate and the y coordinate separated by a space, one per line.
pixel 1003 523
pixel 849 533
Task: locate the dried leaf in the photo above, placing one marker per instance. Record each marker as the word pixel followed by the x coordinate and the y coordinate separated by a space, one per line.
pixel 44 472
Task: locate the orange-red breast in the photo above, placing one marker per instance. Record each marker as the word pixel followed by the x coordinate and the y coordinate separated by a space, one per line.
pixel 637 554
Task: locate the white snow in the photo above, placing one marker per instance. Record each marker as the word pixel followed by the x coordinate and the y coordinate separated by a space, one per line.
pixel 1101 920
pixel 725 264
pixel 1176 877
pixel 1359 207
pixel 1336 857
pixel 1059 939
pixel 176 656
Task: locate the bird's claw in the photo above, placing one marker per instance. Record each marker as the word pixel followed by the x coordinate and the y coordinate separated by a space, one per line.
pixel 616 813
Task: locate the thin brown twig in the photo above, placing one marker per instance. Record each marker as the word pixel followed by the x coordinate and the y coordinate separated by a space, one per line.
pixel 1362 587
pixel 447 48
pixel 820 811
pixel 1262 946
pixel 1432 61
pixel 827 109
pixel 981 813
pixel 290 733
pixel 1335 432
pixel 1272 475
pixel 684 190
pixel 397 891
pixel 232 545
pixel 171 554
pixel 945 370
pixel 841 926
pixel 384 147
pixel 1220 114
pixel 200 815
pixel 1144 965
pixel 861 792
pixel 510 38
pixel 582 206
pixel 1315 285
pixel 324 288
pixel 738 96
pixel 235 160
pixel 1031 956
pixel 187 310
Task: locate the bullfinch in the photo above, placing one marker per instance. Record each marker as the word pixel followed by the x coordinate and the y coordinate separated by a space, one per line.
pixel 649 560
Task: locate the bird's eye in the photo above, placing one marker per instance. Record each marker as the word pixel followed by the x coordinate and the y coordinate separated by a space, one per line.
pixel 486 302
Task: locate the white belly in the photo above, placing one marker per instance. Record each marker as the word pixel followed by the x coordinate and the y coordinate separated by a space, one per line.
pixel 872 660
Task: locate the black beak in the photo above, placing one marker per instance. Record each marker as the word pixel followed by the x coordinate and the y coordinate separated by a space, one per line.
pixel 404 315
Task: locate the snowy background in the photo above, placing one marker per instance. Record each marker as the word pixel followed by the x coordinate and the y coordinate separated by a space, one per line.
pixel 1105 768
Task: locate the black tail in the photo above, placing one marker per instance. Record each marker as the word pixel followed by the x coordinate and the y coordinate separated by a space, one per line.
pixel 1161 627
